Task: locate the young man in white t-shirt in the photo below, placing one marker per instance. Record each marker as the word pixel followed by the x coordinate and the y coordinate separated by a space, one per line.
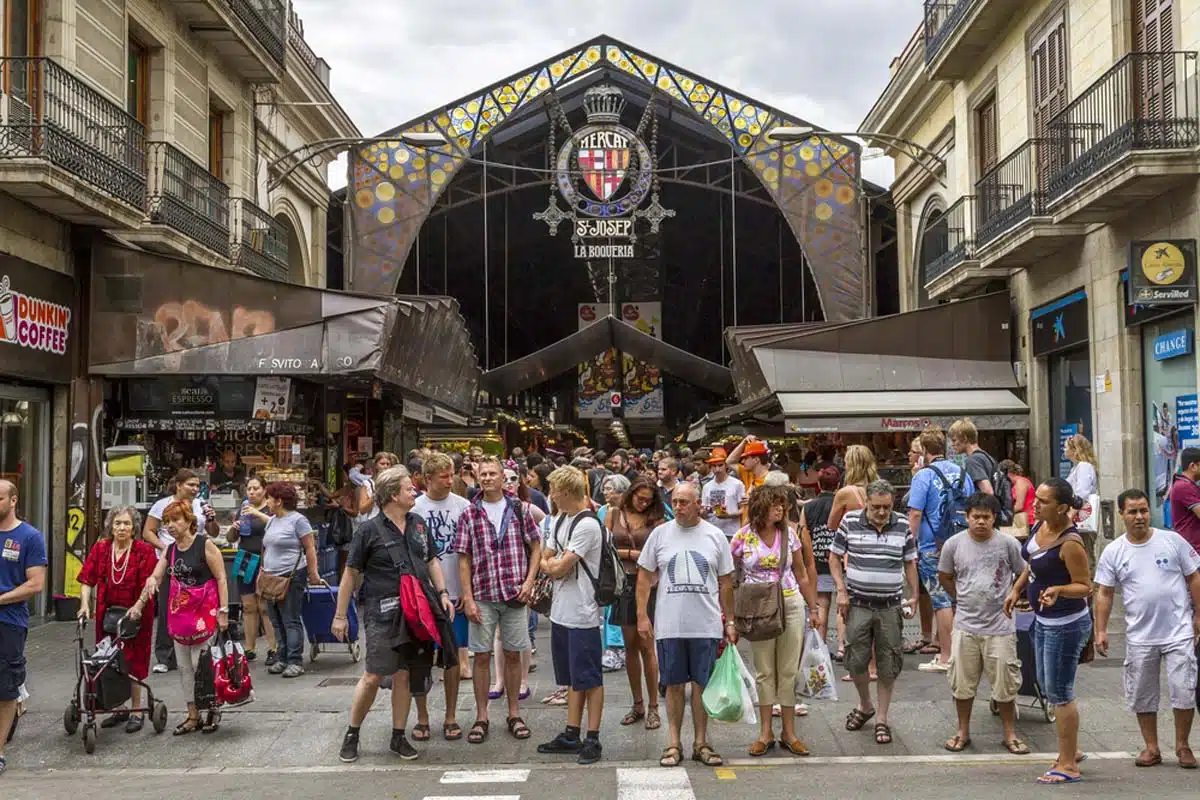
pixel 694 591
pixel 571 556
pixel 722 496
pixel 1158 573
pixel 440 509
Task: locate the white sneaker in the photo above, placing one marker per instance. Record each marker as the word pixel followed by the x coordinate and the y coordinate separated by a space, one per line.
pixel 159 669
pixel 934 666
pixel 293 671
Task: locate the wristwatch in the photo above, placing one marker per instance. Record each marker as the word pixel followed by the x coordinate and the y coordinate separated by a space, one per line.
pixel 445 592
pixel 223 610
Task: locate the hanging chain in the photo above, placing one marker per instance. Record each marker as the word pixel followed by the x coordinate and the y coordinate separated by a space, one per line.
pixel 654 148
pixel 647 115
pixel 551 153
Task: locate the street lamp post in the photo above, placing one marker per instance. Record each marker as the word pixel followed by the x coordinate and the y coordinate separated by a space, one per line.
pixel 929 161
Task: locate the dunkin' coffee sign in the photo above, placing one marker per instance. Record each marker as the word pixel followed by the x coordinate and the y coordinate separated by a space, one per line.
pixel 31 322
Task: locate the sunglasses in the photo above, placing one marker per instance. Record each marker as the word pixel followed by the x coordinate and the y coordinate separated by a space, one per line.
pixel 512 479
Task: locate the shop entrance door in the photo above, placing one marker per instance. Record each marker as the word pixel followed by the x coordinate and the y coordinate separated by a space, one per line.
pixel 25 460
pixel 1070 403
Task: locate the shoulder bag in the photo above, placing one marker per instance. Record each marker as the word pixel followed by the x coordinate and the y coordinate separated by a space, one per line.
pixel 191 610
pixel 758 611
pixel 542 595
pixel 273 588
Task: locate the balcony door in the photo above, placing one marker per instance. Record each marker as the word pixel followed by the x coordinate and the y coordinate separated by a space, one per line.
pixel 1154 39
pixel 22 39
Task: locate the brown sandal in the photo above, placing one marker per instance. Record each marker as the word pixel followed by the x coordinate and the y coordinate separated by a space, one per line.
pixel 795 747
pixel 479 731
pixel 421 733
pixel 705 755
pixel 671 757
pixel 634 715
pixel 451 731
pixel 759 748
pixel 518 728
pixel 653 721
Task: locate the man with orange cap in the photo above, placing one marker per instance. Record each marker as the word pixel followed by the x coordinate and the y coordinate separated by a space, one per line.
pixel 723 495
pixel 752 458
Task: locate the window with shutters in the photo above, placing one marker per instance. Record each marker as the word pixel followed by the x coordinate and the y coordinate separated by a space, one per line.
pixel 1154 61
pixel 1048 73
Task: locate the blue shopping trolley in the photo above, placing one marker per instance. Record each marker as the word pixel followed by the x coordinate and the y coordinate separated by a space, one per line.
pixel 320 604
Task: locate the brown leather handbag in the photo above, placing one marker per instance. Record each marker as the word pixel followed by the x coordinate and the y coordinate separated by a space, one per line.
pixel 273 588
pixel 758 612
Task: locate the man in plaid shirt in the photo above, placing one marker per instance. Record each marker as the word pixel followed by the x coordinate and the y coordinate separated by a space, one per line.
pixel 499 551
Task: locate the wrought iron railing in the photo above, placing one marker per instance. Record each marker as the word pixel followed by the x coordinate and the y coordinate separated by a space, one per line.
pixel 1012 191
pixel 318 65
pixel 49 113
pixel 1146 101
pixel 952 240
pixel 941 18
pixel 259 243
pixel 266 20
pixel 185 196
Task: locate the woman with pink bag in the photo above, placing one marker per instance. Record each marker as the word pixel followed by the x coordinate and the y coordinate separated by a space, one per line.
pixel 198 603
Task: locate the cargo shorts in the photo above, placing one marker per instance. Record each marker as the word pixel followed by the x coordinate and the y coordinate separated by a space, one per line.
pixel 877 628
pixel 972 656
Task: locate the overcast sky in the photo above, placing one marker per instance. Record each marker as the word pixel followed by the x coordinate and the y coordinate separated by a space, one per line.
pixel 825 61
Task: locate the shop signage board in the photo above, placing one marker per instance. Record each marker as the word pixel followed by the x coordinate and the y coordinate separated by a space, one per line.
pixel 36 321
pixel 1173 344
pixel 1163 272
pixel 1060 325
pixel 272 398
pixel 985 422
pixel 1187 418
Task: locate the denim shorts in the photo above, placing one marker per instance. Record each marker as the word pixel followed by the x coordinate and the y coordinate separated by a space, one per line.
pixel 927 571
pixel 1056 649
pixel 682 661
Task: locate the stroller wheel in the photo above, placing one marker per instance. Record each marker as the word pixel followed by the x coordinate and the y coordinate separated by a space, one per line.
pixel 355 652
pixel 71 719
pixel 89 739
pixel 314 651
pixel 995 708
pixel 12 730
pixel 1048 711
pixel 158 716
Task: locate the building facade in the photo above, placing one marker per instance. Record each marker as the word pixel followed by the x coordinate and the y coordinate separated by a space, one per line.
pixel 150 126
pixel 1060 147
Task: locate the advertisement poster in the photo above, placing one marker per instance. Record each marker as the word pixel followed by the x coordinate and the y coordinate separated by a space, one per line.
pixel 643 398
pixel 271 398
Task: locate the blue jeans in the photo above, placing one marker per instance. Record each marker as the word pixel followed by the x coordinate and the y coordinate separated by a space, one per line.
pixel 289 628
pixel 1056 649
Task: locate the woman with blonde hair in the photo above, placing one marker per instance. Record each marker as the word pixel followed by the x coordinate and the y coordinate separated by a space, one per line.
pixel 1078 450
pixel 760 555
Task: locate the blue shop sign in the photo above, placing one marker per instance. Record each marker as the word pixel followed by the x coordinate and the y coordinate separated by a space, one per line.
pixel 1173 344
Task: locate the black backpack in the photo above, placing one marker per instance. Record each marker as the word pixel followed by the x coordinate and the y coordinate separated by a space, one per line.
pixel 1002 487
pixel 609 583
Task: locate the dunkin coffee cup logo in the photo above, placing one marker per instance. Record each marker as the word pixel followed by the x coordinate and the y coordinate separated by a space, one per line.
pixel 31 322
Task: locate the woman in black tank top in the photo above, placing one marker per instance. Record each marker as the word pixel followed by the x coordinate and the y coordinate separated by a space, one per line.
pixel 814 522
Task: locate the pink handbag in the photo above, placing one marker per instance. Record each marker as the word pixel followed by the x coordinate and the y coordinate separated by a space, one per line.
pixel 191 610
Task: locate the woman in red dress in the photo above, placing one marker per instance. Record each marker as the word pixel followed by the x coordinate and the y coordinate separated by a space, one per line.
pixel 116 569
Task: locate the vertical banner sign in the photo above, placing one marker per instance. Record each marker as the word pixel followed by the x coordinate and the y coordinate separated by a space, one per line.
pixel 1065 432
pixel 643 382
pixel 272 398
pixel 597 375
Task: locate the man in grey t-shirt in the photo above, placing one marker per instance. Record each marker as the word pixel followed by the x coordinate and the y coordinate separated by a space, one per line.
pixel 977 568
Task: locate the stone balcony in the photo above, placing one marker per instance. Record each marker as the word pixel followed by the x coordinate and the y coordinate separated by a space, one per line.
pixel 259 244
pixel 68 150
pixel 249 34
pixel 960 33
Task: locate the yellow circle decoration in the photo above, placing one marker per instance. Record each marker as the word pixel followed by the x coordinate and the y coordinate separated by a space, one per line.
pixel 1163 263
pixel 824 187
pixel 806 153
pixel 396 172
pixel 770 175
pixel 401 155
pixel 418 163
pixel 790 160
pixel 845 195
pixel 824 211
pixel 745 140
pixel 812 168
pixel 740 124
pixel 365 198
pixel 386 215
pixel 385 192
pixel 438 177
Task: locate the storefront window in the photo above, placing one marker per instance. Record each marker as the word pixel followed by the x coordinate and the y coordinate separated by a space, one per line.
pixel 1070 402
pixel 25 457
pixel 1171 424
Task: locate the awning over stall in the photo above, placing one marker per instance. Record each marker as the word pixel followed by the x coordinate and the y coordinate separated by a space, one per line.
pixel 166 316
pixel 900 372
pixel 609 332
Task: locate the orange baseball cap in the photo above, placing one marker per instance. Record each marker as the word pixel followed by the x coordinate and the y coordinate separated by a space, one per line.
pixel 756 448
pixel 717 456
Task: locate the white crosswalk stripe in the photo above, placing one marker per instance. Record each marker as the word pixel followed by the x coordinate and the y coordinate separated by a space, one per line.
pixel 654 784
pixel 463 777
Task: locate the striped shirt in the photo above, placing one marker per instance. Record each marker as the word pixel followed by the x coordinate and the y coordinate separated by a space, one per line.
pixel 874 559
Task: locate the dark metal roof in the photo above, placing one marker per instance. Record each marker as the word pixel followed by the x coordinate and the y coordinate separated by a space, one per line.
pixel 609 332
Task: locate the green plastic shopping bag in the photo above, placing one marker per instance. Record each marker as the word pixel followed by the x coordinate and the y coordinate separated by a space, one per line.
pixel 723 699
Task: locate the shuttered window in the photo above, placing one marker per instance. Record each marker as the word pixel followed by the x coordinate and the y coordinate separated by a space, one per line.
pixel 1048 73
pixel 1154 39
pixel 987 144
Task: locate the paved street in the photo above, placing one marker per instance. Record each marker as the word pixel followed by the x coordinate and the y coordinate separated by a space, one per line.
pixel 287 741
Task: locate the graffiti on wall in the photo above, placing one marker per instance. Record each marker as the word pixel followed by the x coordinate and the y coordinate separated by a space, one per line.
pixel 177 326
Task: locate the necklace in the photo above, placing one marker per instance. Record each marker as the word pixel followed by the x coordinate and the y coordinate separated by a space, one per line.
pixel 119 567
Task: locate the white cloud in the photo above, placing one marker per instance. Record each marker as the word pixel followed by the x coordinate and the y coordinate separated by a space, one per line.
pixel 822 60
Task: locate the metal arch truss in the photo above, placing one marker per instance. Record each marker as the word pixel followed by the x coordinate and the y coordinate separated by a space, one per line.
pixel 280 169
pixel 927 160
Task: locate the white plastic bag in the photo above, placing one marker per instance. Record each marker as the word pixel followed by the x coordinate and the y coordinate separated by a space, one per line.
pixel 1088 517
pixel 749 691
pixel 815 678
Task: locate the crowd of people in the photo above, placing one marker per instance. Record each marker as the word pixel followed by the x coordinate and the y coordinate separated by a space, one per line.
pixel 451 555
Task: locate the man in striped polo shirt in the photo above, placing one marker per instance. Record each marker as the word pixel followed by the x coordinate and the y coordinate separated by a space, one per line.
pixel 880 554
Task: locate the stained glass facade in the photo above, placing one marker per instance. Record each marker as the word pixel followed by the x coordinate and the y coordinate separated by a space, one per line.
pixel 815 183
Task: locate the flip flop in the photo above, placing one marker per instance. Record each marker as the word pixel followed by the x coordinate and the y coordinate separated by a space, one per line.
pixel 1187 759
pixel 956 743
pixel 916 646
pixel 1054 777
pixel 451 731
pixel 421 733
pixel 1016 747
